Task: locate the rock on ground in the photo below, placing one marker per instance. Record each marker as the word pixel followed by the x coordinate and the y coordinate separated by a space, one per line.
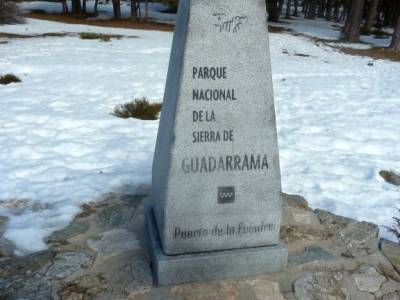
pixel 103 254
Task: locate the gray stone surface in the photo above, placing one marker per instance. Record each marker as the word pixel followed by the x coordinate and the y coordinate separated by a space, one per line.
pixel 176 269
pixel 6 246
pixel 216 177
pixel 369 280
pixel 67 263
pixel 309 254
pixel 352 238
pixel 71 230
pixel 113 242
pixel 392 252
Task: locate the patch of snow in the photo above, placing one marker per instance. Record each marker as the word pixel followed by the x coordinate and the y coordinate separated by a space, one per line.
pixel 359 46
pixel 329 31
pixel 60 147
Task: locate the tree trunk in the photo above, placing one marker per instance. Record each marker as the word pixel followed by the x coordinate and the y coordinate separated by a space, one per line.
pixel 336 12
pixel 280 6
pixel 134 10
pixel 76 6
pixel 328 15
pixel 321 9
pixel 84 7
pixel 65 6
pixel 146 9
pixel 117 9
pixel 288 8
pixel 96 4
pixel 296 8
pixel 353 24
pixel 372 15
pixel 311 13
pixel 395 45
pixel 272 8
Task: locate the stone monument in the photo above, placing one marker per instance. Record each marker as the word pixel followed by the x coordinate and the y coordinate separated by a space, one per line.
pixel 216 187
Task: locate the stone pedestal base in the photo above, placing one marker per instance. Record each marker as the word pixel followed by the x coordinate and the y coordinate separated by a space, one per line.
pixel 176 269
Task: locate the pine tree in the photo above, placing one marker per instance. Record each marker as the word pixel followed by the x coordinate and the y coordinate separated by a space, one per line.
pixel 395 45
pixel 353 23
pixel 9 12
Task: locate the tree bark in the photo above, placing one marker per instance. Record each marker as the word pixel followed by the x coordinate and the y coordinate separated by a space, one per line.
pixel 117 9
pixel 296 8
pixel 321 8
pixel 134 10
pixel 288 8
pixel 280 6
pixel 353 24
pixel 395 45
pixel 76 6
pixel 372 14
pixel 146 9
pixel 65 6
pixel 311 13
pixel 336 12
pixel 272 8
pixel 328 15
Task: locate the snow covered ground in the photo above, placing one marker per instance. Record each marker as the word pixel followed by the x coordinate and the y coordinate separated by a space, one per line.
pixel 338 121
pixel 331 31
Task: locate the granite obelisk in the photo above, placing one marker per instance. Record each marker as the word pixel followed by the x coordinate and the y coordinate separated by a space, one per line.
pixel 216 187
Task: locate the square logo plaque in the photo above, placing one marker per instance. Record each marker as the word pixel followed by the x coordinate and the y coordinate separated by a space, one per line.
pixel 226 194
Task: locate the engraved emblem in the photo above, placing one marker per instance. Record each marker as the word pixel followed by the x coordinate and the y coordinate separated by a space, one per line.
pixel 227 23
pixel 226 194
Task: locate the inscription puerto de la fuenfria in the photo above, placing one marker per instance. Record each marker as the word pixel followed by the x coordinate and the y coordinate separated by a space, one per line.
pixel 227 23
pixel 223 230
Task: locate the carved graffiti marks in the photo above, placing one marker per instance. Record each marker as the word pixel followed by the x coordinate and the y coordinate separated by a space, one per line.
pixel 227 23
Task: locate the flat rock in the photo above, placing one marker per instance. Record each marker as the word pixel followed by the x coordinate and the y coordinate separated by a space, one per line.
pixel 265 289
pixel 298 217
pixel 114 216
pixel 25 264
pixel 351 238
pixel 6 246
pixel 139 277
pixel 73 229
pixel 85 287
pixel 34 287
pixel 321 286
pixel 369 280
pixel 392 252
pixel 294 233
pixel 295 201
pixel 113 242
pixel 392 296
pixel 67 263
pixel 309 254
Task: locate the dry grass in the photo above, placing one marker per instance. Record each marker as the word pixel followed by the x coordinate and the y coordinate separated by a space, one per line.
pixel 395 229
pixel 28 36
pixel 99 36
pixel 375 53
pixel 390 177
pixel 9 78
pixel 276 29
pixel 83 19
pixel 139 109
